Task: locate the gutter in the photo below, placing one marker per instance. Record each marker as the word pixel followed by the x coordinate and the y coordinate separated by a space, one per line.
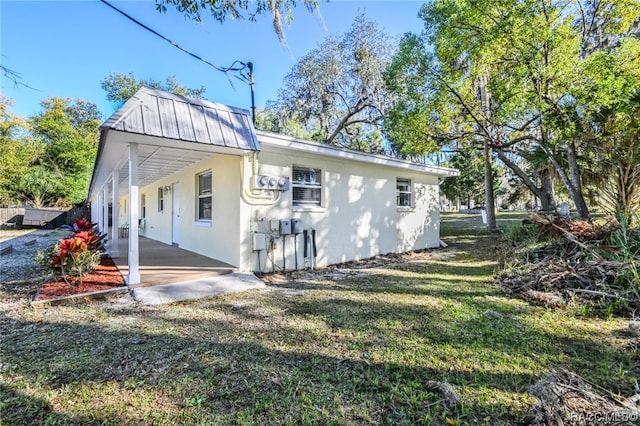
pixel 286 143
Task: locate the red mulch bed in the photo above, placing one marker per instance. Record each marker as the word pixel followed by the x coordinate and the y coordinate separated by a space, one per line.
pixel 105 277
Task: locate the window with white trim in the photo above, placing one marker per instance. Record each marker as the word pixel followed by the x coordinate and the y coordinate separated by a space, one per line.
pixel 205 196
pixel 160 200
pixel 306 185
pixel 403 192
pixel 143 203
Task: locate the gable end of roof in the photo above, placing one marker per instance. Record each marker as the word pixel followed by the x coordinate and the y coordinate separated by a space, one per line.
pixel 161 114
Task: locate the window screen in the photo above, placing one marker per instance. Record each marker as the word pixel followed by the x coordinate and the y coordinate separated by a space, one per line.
pixel 160 200
pixel 307 187
pixel 205 199
pixel 143 203
pixel 403 193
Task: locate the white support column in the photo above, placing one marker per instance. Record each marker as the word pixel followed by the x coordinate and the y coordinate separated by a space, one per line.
pixel 104 226
pixel 94 209
pixel 133 276
pixel 99 210
pixel 115 196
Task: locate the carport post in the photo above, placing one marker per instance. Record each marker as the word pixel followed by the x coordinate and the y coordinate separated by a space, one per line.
pixel 133 275
pixel 115 253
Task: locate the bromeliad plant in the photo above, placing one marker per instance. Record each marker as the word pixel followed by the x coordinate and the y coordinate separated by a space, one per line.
pixel 77 255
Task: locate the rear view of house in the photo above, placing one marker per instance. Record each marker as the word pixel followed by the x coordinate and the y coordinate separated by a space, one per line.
pixel 197 175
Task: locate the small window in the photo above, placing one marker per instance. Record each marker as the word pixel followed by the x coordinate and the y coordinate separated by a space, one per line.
pixel 403 192
pixel 205 198
pixel 143 203
pixel 160 200
pixel 307 187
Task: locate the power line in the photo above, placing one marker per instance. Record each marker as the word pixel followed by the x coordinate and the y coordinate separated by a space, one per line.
pixel 245 70
pixel 221 69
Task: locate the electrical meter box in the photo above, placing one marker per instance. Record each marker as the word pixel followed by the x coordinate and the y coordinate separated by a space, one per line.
pixel 259 242
pixel 296 226
pixel 271 182
pixel 285 227
pixel 274 225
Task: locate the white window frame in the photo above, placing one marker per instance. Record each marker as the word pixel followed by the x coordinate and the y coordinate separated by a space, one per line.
pixel 143 206
pixel 309 179
pixel 160 199
pixel 202 196
pixel 404 197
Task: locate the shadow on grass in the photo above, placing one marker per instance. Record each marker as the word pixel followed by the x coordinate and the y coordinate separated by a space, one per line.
pixel 18 408
pixel 244 380
pixel 356 351
pixel 328 360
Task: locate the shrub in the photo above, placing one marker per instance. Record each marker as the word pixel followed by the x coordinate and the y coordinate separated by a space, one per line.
pixel 626 239
pixel 81 224
pixel 520 235
pixel 77 255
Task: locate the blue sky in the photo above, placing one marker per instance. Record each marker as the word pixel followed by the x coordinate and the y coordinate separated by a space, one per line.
pixel 65 48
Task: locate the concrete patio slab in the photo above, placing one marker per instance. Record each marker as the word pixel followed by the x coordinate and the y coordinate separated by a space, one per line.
pixel 165 264
pixel 196 289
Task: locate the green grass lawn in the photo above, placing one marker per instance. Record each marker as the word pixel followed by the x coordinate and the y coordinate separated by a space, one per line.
pixel 312 351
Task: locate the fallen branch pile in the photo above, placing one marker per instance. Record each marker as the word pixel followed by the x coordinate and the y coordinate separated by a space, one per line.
pixel 572 267
pixel 554 226
pixel 567 399
pixel 554 282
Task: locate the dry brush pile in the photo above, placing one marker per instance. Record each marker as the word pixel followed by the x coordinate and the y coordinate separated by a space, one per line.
pixel 564 398
pixel 564 260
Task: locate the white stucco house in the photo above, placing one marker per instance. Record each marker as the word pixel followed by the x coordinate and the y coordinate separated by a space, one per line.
pixel 196 174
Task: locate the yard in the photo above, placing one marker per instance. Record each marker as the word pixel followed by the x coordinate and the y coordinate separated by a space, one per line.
pixel 359 344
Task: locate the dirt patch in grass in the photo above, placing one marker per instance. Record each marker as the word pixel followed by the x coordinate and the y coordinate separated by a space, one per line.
pixel 358 268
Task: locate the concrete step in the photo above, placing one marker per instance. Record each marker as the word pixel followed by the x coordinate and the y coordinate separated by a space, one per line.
pixel 196 289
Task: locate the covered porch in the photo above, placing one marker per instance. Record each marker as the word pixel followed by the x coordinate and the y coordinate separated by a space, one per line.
pixel 165 264
pixel 152 137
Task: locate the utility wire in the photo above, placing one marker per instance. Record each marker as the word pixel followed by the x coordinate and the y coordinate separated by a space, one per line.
pixel 221 69
pixel 245 70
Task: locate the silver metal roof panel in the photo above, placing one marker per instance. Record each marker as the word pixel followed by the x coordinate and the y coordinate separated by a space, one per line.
pixel 157 113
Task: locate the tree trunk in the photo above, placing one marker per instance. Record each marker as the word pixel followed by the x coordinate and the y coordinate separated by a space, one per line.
pixel 576 183
pixel 575 192
pixel 546 191
pixel 489 202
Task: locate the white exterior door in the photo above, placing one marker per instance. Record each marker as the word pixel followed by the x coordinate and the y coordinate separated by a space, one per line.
pixel 175 214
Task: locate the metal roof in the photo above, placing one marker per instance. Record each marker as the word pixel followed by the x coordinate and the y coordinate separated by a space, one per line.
pixel 172 132
pixel 166 115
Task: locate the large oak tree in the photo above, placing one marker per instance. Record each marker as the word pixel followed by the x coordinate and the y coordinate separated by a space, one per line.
pixel 337 91
pixel 512 74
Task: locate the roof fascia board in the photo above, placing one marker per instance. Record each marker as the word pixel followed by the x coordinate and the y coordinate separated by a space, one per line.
pixel 164 142
pixel 117 139
pixel 281 143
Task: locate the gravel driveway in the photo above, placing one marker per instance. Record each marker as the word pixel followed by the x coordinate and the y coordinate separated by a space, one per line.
pixel 19 264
